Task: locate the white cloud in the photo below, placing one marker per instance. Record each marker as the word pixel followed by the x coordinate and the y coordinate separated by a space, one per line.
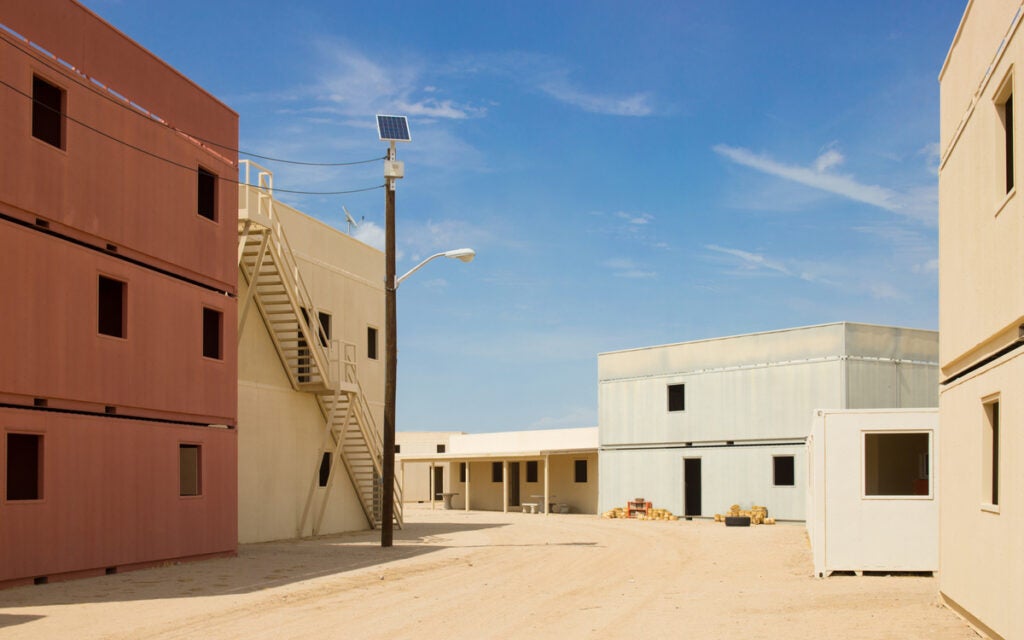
pixel 369 233
pixel 751 261
pixel 915 203
pixel 637 104
pixel 626 268
pixel 930 266
pixel 635 218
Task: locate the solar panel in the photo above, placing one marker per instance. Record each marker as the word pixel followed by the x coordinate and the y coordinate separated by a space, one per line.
pixel 393 128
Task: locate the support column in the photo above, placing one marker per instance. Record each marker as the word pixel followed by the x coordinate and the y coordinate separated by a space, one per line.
pixel 467 485
pixel 547 487
pixel 504 486
pixel 430 485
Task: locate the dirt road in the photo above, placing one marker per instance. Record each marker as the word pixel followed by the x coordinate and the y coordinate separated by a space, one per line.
pixel 454 574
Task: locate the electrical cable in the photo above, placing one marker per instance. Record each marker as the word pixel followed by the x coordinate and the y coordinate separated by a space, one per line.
pixel 174 162
pixel 130 106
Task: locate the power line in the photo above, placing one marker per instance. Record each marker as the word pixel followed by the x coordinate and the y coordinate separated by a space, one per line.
pixel 174 162
pixel 126 104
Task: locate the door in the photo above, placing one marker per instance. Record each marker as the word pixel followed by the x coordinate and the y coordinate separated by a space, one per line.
pixel 691 487
pixel 438 483
pixel 513 484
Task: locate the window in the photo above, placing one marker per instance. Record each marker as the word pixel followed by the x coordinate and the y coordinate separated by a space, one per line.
pixel 893 464
pixel 462 472
pixel 398 448
pixel 206 186
pixel 213 322
pixel 47 112
pixel 325 328
pixel 677 397
pixel 782 471
pixel 440 448
pixel 496 474
pixel 189 470
pixel 24 466
pixel 112 294
pixel 580 474
pixel 990 455
pixel 325 468
pixel 531 471
pixel 1006 116
pixel 371 343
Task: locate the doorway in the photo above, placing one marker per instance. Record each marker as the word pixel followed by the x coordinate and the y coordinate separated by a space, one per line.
pixel 691 487
pixel 513 484
pixel 438 483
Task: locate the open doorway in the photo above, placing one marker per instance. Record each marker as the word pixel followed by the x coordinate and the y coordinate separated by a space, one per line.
pixel 438 483
pixel 691 487
pixel 513 484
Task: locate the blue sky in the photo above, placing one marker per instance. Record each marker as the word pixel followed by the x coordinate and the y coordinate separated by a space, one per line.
pixel 629 174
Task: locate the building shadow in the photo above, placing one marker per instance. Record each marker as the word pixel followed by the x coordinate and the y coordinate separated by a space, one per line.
pixel 11 620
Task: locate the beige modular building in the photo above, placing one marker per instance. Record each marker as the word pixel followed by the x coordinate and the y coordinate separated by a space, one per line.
pixel 699 426
pixel 981 319
pixel 420 479
pixel 536 471
pixel 872 500
pixel 310 372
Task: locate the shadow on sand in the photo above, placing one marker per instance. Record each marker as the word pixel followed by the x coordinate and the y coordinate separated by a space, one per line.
pixel 257 567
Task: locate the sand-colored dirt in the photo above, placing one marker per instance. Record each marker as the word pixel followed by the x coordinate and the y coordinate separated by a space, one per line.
pixel 453 574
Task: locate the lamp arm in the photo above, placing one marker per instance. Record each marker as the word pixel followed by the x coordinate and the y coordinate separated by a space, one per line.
pixel 408 273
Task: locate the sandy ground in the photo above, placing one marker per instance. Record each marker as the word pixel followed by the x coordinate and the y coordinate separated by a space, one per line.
pixel 454 574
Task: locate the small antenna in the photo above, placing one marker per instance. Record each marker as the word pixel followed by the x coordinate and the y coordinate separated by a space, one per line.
pixel 350 220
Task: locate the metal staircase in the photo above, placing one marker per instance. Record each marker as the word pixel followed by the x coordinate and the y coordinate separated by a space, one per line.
pixel 314 362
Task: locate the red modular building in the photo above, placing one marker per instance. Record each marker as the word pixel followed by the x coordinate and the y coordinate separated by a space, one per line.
pixel 118 366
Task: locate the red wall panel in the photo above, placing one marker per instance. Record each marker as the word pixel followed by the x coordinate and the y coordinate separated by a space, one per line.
pixel 97 184
pixel 52 348
pixel 110 495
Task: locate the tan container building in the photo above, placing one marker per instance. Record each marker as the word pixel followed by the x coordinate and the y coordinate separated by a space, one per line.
pixel 981 321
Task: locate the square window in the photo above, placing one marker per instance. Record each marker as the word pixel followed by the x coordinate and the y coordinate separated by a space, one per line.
pixel 24 466
pixel 440 448
pixel 990 454
pixel 892 464
pixel 496 472
pixel 531 471
pixel 462 472
pixel 47 112
pixel 325 468
pixel 677 397
pixel 580 471
pixel 213 330
pixel 112 295
pixel 190 470
pixel 398 448
pixel 206 186
pixel 782 471
pixel 371 343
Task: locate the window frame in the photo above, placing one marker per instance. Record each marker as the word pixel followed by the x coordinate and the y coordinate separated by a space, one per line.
pixel 775 458
pixel 991 452
pixel 533 465
pixel 497 472
pixel 40 466
pixel 124 306
pixel 576 471
pixel 61 114
pixel 211 176
pixel 183 446
pixel 929 433
pixel 219 333
pixel 372 343
pixel 1007 129
pixel 680 400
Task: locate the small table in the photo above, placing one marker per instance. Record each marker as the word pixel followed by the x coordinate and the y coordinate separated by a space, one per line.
pixel 549 507
pixel 447 497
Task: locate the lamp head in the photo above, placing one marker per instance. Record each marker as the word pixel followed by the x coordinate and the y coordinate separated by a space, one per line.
pixel 466 255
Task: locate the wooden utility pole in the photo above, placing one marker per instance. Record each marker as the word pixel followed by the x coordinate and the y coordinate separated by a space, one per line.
pixel 391 364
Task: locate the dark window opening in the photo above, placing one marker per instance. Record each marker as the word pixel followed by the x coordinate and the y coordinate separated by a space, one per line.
pixel 325 468
pixel 325 328
pixel 896 464
pixel 496 472
pixel 677 397
pixel 47 112
pixel 371 343
pixel 991 445
pixel 1007 117
pixel 207 188
pixel 24 466
pixel 189 470
pixel 531 471
pixel 783 474
pixel 112 295
pixel 398 448
pixel 213 323
pixel 440 448
pixel 580 471
pixel 462 472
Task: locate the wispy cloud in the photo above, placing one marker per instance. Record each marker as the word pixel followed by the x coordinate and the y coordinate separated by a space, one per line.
pixel 916 204
pixel 636 104
pixel 751 261
pixel 627 268
pixel 635 218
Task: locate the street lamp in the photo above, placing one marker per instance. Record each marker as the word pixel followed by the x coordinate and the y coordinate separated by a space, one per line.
pixel 466 255
pixel 394 129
